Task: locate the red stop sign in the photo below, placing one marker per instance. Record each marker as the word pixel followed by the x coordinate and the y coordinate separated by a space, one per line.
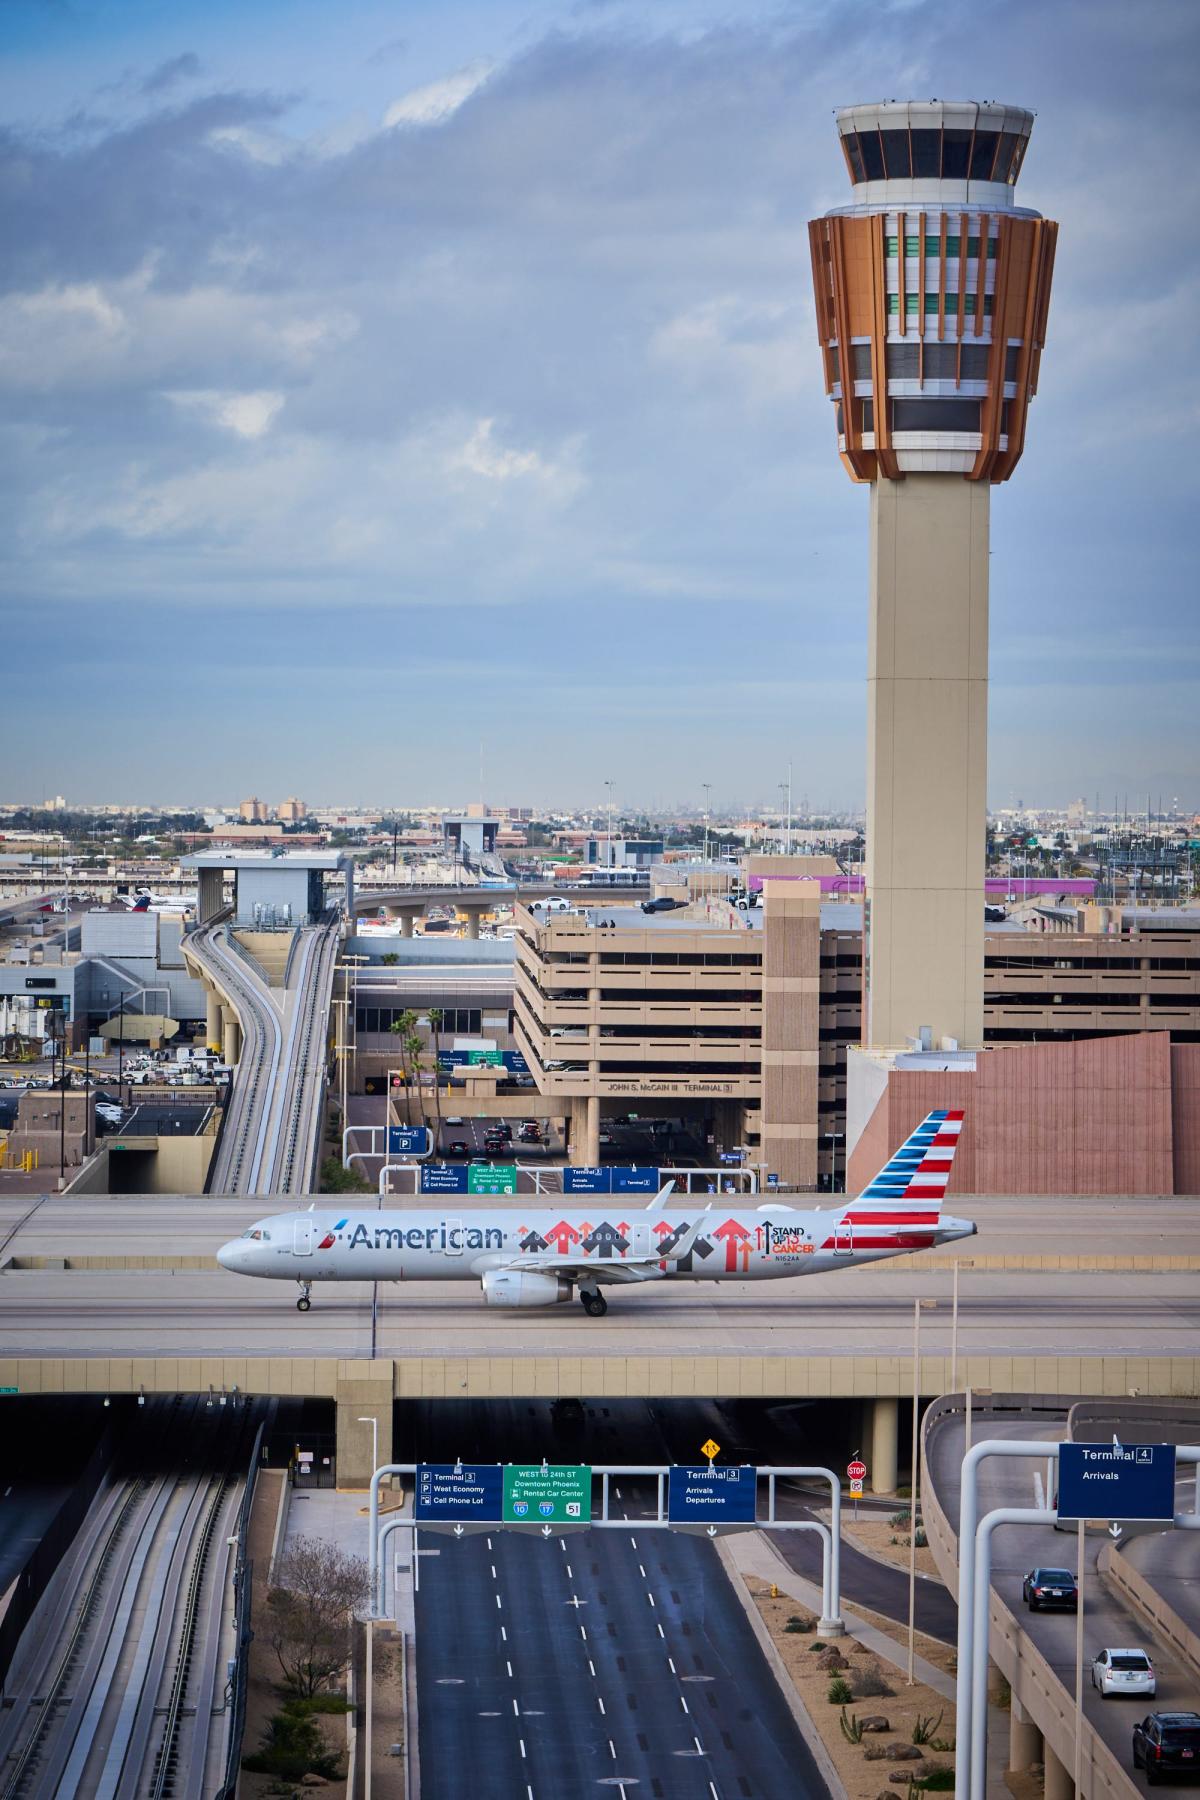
pixel 856 1470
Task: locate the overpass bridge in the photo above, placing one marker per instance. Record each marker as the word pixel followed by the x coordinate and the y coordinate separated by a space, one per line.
pixel 410 903
pixel 111 1294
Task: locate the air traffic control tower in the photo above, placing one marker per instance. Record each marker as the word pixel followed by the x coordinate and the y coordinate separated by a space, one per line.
pixel 932 289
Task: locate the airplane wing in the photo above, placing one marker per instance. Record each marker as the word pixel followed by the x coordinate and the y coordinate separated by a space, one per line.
pixel 616 1270
pixel 660 1199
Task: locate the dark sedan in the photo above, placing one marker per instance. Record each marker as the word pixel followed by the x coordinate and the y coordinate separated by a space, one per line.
pixel 1044 1588
pixel 1167 1743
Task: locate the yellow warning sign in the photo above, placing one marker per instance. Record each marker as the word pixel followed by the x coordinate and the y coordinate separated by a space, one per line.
pixel 710 1449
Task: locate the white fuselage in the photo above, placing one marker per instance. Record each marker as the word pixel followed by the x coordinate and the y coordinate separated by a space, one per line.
pixel 596 1243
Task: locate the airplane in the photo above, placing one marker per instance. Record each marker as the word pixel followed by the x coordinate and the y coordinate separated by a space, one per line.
pixel 534 1256
pixel 144 901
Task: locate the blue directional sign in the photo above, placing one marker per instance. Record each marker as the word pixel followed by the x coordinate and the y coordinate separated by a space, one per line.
pixel 1116 1481
pixel 444 1178
pixel 459 1492
pixel 407 1140
pixel 634 1181
pixel 587 1181
pixel 718 1495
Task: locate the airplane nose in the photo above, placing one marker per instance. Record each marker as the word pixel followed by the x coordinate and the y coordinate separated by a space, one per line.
pixel 225 1255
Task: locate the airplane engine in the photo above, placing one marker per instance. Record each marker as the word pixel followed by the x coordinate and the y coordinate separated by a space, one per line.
pixel 524 1287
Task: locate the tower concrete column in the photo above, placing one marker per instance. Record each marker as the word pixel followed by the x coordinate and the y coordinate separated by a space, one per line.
pixel 407 921
pixel 1024 1739
pixel 592 1126
pixel 472 923
pixel 212 1018
pixel 926 759
pixel 231 1036
pixel 881 1456
pixel 1060 1784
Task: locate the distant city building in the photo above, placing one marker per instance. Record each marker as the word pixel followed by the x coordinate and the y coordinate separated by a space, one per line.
pixel 291 810
pixel 253 811
pixel 472 835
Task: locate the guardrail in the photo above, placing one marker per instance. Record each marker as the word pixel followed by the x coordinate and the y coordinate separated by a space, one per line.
pixel 1034 1684
pixel 1152 1606
pixel 243 1585
pixel 248 957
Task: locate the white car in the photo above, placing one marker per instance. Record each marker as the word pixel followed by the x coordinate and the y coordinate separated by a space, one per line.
pixel 1123 1672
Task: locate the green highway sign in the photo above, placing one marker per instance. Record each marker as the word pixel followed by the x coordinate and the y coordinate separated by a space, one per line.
pixel 553 1495
pixel 498 1178
pixel 10 1390
pixel 488 1059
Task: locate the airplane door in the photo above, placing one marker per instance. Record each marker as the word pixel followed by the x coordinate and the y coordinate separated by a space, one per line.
pixel 454 1237
pixel 302 1237
pixel 843 1239
pixel 641 1240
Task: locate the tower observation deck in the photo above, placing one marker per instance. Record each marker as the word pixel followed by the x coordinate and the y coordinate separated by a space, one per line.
pixel 932 291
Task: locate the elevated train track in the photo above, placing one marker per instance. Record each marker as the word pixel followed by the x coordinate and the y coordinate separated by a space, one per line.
pixel 118 1687
pixel 271 1135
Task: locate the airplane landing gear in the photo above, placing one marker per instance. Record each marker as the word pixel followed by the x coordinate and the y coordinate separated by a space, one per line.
pixel 594 1304
pixel 303 1303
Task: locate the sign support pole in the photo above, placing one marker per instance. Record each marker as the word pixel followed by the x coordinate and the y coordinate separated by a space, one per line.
pixel 1081 1563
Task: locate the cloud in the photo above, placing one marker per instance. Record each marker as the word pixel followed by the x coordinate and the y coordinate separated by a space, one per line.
pixel 169 74
pixel 544 343
pixel 246 415
pixel 437 101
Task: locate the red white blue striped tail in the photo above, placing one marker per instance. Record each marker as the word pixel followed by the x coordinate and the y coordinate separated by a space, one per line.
pixel 915 1178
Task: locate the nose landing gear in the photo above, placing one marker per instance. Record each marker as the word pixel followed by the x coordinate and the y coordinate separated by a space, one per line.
pixel 303 1303
pixel 593 1302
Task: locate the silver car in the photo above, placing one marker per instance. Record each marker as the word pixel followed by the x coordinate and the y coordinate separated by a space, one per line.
pixel 1123 1672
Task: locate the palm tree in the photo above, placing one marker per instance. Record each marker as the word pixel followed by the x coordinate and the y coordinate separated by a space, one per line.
pixel 402 1028
pixel 435 1026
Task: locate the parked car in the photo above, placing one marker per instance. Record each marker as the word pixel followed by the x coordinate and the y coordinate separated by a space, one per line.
pixel 663 903
pixel 1123 1672
pixel 1043 1588
pixel 1167 1743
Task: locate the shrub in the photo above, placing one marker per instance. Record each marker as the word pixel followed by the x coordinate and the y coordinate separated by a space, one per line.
pixel 840 1692
pixel 922 1540
pixel 926 1725
pixel 938 1781
pixel 336 1180
pixel 899 1520
pixel 797 1624
pixel 293 1748
pixel 869 1683
pixel 852 1731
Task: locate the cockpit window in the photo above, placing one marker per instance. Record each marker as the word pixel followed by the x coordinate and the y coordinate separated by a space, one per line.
pixel 254 1233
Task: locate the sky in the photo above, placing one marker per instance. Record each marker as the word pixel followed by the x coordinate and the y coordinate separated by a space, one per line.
pixel 384 388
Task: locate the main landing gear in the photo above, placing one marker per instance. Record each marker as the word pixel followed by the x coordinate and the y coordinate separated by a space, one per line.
pixel 303 1303
pixel 593 1303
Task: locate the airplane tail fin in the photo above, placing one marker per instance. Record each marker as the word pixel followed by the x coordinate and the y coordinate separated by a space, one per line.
pixel 914 1180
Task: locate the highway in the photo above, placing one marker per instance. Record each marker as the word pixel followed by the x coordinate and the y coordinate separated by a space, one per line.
pixel 601 1659
pixel 118 1683
pixel 1017 1549
pixel 271 1137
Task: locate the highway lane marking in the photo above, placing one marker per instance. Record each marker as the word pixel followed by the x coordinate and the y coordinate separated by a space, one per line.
pixel 699 1746
pixel 612 1749
pixel 661 1632
pixel 516 1708
pixel 684 1704
pixel 495 1577
pixel 600 1703
pixel 633 1541
pixel 671 1665
pixel 712 1790
pixel 592 1668
pixel 583 1633
pixel 503 1635
pixel 570 1577
pixel 489 1543
pixel 642 1570
pixel 650 1597
pixel 521 1741
pixel 508 1666
pixel 499 1602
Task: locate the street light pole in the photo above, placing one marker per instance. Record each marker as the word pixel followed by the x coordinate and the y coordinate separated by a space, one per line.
pixel 373 1422
pixel 919 1306
pixel 707 786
